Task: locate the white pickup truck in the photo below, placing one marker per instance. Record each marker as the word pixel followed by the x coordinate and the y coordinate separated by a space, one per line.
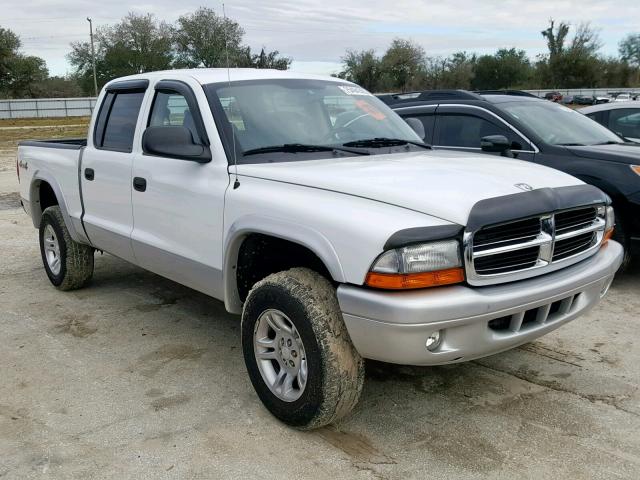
pixel 313 210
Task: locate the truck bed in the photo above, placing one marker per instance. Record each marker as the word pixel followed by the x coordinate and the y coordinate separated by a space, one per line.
pixel 64 143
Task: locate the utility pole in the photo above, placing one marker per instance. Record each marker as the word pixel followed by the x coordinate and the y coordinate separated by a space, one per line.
pixel 93 58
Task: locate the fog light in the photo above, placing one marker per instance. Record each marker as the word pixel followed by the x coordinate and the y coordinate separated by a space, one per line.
pixel 433 341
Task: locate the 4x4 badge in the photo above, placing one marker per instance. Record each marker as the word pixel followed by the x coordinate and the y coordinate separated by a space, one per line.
pixel 524 186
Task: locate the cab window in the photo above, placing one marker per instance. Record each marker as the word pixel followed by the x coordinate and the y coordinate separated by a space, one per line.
pixel 466 131
pixel 171 109
pixel 116 124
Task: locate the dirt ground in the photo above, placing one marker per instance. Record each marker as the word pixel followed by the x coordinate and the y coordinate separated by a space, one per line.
pixel 138 377
pixel 12 131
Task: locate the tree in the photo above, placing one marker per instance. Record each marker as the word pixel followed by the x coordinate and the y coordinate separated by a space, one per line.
pixel 457 71
pixel 555 37
pixel 202 39
pixel 270 60
pixel 18 73
pixel 57 87
pixel 403 64
pixel 9 45
pixel 614 73
pixel 137 44
pixel 26 71
pixel 362 68
pixel 629 49
pixel 572 64
pixel 504 69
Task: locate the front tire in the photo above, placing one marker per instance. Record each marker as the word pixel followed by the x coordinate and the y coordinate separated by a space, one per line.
pixel 297 350
pixel 69 264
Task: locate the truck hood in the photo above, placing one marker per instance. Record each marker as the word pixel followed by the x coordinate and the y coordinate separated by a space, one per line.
pixel 622 152
pixel 437 183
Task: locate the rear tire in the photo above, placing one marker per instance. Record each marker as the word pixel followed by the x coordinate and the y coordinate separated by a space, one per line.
pixel 69 264
pixel 303 319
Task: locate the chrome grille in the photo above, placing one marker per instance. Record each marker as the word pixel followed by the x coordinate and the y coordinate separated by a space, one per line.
pixel 531 246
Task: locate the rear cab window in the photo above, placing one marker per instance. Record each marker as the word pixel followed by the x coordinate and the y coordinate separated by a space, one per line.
pixel 116 123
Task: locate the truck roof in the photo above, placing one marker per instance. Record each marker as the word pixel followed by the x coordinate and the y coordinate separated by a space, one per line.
pixel 215 75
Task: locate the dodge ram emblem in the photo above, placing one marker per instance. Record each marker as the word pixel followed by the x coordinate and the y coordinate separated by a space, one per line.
pixel 524 186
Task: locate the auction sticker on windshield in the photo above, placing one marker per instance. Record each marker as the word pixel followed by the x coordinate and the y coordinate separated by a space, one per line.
pixel 354 90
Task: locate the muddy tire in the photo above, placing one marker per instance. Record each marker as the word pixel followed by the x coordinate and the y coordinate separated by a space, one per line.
pixel 297 350
pixel 69 264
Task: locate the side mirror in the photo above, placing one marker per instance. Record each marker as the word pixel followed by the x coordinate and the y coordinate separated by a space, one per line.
pixel 496 144
pixel 417 126
pixel 174 142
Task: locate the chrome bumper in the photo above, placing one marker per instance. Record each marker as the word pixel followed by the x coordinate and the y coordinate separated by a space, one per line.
pixel 393 326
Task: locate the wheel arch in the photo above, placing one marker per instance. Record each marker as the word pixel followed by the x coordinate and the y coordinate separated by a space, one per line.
pixel 43 187
pixel 304 237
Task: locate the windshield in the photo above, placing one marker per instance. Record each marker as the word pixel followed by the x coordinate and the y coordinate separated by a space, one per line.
pixel 559 125
pixel 262 115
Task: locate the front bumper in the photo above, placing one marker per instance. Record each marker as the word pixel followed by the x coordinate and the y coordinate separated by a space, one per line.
pixel 473 322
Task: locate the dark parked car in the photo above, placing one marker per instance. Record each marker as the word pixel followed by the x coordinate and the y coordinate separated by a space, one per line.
pixel 583 100
pixel 534 130
pixel 553 96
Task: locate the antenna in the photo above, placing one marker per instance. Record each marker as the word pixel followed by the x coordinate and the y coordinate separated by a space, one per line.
pixel 236 183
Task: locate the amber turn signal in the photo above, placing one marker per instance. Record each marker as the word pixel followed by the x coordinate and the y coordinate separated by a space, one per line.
pixel 407 281
pixel 607 235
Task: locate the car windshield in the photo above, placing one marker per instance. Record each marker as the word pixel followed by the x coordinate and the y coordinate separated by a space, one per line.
pixel 295 119
pixel 559 125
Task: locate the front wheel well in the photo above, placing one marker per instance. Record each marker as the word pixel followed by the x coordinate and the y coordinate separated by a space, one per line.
pixel 261 255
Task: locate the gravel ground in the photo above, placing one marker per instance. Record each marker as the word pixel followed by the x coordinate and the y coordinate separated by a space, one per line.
pixel 138 377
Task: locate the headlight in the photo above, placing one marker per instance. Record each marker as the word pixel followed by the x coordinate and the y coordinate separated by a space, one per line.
pixel 418 266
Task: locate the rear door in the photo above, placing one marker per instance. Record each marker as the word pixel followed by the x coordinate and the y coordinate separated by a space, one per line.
pixel 461 127
pixel 178 203
pixel 105 172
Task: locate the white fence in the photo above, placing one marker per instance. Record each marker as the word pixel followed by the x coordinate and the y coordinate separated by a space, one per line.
pixel 47 107
pixel 82 107
pixel 588 92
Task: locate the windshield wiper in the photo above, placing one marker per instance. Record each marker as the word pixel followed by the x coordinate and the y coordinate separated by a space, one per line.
pixel 301 147
pixel 570 144
pixel 380 142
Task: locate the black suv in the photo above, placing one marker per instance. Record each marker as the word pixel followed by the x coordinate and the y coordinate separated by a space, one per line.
pixel 519 124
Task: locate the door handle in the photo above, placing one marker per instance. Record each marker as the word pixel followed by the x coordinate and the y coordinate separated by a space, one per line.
pixel 140 184
pixel 89 174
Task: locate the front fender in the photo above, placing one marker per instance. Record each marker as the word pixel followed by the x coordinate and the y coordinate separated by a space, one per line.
pixel 275 227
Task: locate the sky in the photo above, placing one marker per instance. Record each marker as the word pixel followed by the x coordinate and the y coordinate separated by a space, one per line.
pixel 316 34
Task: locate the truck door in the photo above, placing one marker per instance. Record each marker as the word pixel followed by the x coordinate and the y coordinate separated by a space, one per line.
pixel 178 201
pixel 105 172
